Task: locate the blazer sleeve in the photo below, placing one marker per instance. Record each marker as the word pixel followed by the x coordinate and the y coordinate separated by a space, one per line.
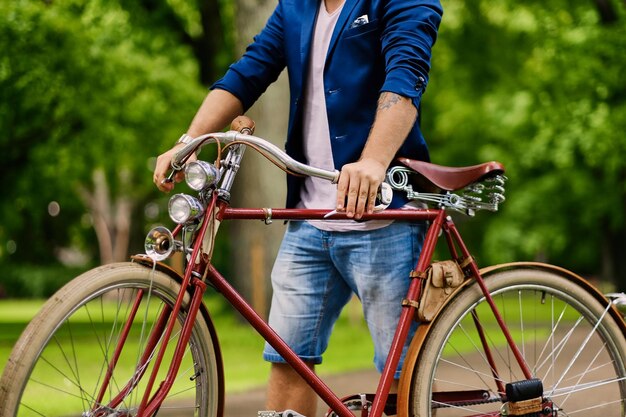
pixel 260 65
pixel 409 33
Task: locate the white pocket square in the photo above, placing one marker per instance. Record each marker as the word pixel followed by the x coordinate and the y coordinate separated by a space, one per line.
pixel 360 21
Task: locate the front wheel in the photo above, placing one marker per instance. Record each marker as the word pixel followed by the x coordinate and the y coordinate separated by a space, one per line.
pixel 60 363
pixel 566 336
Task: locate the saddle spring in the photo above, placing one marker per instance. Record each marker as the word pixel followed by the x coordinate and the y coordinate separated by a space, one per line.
pixel 485 194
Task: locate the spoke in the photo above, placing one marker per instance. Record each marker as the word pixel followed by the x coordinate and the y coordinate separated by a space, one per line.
pixel 477 349
pixel 105 341
pixel 182 391
pixel 32 409
pixel 558 335
pixel 104 347
pixel 63 374
pixel 508 350
pixel 186 407
pixel 551 340
pixel 54 388
pixel 560 347
pixel 521 322
pixel 583 387
pixel 594 369
pixel 506 360
pixel 569 413
pixel 469 368
pixel 586 371
pixel 143 327
pixel 583 345
pixel 459 384
pixel 74 379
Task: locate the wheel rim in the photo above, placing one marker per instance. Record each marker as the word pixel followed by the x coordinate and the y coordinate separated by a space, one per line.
pixel 581 368
pixel 70 367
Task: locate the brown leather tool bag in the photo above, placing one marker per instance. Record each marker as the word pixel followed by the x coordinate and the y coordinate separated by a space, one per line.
pixel 442 278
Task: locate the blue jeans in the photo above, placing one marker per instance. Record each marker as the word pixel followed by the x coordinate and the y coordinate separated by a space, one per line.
pixel 316 273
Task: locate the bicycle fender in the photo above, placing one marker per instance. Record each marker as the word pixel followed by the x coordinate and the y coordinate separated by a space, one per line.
pixel 565 273
pixel 147 262
pixel 424 328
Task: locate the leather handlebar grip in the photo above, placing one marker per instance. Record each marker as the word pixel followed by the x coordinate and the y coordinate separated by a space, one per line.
pixel 243 124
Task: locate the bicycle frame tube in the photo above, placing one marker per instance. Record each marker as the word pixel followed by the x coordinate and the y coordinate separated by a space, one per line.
pixel 151 402
pixel 454 234
pixel 117 353
pixel 439 223
pixel 213 276
pixel 191 316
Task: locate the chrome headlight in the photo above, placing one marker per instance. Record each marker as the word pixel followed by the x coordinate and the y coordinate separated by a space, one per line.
pixel 183 208
pixel 200 175
pixel 159 243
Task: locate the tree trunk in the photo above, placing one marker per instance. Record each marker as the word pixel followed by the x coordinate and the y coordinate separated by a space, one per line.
pixel 259 183
pixel 111 220
pixel 211 43
pixel 606 10
pixel 614 249
pixel 613 254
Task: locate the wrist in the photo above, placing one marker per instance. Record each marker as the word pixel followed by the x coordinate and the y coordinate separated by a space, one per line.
pixel 378 159
pixel 184 139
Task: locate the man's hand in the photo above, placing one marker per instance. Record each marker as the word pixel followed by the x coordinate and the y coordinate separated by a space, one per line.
pixel 359 181
pixel 358 185
pixel 218 109
pixel 163 165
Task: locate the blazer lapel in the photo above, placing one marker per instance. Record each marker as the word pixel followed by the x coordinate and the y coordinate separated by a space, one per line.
pixel 306 36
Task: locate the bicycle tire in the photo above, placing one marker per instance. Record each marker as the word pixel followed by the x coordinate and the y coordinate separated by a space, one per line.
pixel 566 336
pixel 57 366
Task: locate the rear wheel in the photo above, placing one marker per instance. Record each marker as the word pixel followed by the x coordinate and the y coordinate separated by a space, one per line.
pixel 58 366
pixel 566 336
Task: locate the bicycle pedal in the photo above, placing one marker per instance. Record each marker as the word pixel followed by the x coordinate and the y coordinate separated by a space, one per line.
pixel 272 413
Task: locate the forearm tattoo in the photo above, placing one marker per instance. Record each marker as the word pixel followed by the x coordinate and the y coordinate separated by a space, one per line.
pixel 388 100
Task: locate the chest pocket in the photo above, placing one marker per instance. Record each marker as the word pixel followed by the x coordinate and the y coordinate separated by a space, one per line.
pixel 360 30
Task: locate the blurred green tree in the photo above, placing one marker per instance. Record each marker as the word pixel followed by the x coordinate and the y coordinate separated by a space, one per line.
pixel 85 97
pixel 88 89
pixel 540 86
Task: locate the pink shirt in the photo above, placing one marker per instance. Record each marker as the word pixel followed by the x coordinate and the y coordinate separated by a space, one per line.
pixel 316 192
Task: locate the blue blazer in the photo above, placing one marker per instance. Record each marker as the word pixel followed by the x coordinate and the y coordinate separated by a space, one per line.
pixel 376 46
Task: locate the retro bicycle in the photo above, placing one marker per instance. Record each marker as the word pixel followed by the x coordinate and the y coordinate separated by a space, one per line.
pixel 134 339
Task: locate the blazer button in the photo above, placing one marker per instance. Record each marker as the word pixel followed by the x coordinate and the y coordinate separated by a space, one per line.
pixel 419 84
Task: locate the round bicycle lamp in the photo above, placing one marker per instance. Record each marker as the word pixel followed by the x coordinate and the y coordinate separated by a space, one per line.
pixel 184 208
pixel 200 175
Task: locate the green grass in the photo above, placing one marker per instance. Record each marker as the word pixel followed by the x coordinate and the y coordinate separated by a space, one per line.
pixel 350 347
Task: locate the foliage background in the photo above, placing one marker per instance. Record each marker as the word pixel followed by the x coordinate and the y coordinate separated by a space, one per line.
pixel 91 91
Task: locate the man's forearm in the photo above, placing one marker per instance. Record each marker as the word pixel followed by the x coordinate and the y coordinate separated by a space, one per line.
pixel 395 118
pixel 359 181
pixel 218 109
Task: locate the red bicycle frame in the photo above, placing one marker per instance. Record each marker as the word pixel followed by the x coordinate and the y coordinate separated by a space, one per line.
pixel 439 222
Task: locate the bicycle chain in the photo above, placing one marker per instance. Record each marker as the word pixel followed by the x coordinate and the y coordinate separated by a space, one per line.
pixel 468 403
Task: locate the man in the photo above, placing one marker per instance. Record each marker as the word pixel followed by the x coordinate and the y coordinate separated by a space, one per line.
pixel 357 71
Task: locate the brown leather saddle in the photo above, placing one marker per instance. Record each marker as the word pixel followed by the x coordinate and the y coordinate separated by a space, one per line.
pixel 438 178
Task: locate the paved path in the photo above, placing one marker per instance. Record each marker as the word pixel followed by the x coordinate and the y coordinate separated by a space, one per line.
pixel 247 404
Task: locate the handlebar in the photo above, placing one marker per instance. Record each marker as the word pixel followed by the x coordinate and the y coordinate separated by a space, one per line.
pixel 466 199
pixel 269 150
